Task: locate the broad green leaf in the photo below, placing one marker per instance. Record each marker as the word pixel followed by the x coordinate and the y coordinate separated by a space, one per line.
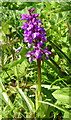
pixel 63 95
pixel 28 101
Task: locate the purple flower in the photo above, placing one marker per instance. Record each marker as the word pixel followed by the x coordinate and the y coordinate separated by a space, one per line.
pixel 26 39
pixel 30 41
pixel 35 15
pixel 31 10
pixel 30 27
pixel 24 26
pixel 34 35
pixel 40 44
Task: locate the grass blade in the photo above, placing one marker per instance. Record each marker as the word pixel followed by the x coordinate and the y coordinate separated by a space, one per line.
pixel 54 106
pixel 29 103
pixel 6 99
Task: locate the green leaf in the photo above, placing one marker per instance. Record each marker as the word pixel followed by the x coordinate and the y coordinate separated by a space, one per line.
pixel 56 58
pixel 54 106
pixel 67 115
pixel 54 67
pixel 6 99
pixel 23 52
pixel 1 85
pixel 5 28
pixel 43 110
pixel 60 52
pixel 28 101
pixel 14 63
pixel 58 80
pixel 4 95
pixel 63 95
pixel 23 66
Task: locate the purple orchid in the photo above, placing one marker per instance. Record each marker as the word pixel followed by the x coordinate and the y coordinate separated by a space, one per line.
pixel 34 35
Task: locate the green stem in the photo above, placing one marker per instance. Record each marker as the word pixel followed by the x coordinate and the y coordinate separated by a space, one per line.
pixel 38 89
pixel 39 77
pixel 69 28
